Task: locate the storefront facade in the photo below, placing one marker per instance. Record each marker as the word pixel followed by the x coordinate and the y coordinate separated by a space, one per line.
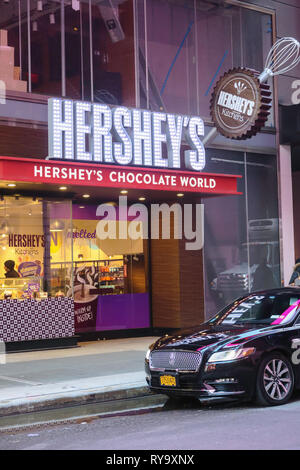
pixel 83 59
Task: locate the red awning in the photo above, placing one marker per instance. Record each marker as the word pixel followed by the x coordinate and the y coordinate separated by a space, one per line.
pixel 114 176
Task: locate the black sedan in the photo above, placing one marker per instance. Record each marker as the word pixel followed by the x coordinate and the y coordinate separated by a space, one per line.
pixel 249 350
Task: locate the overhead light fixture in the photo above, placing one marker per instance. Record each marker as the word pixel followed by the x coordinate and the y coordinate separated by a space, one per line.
pixel 52 18
pixel 11 185
pixel 34 26
pixel 63 188
pixel 142 199
pixel 124 191
pixel 57 226
pixel 80 256
pixel 180 195
pixel 76 5
pixel 81 207
pixel 86 196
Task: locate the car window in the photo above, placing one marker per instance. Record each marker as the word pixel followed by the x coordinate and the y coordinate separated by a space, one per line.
pixel 266 309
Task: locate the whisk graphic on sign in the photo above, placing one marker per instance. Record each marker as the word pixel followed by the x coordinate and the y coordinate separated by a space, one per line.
pixel 283 56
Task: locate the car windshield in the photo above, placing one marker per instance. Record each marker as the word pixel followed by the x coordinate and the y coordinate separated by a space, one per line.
pixel 265 309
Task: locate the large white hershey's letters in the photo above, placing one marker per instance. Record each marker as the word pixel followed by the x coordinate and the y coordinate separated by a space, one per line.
pixel 94 132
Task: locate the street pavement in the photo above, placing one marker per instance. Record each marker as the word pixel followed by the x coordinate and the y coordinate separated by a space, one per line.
pixel 103 370
pixel 191 426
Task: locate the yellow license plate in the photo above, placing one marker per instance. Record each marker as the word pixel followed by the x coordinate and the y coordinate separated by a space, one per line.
pixel 168 380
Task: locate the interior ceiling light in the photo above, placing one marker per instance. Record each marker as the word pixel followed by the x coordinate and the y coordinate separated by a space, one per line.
pixel 11 185
pixel 86 196
pixel 124 191
pixel 142 199
pixel 76 5
pixel 63 188
pixel 57 226
pixel 180 195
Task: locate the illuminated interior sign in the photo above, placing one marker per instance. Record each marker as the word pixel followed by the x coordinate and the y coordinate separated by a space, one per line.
pixel 94 132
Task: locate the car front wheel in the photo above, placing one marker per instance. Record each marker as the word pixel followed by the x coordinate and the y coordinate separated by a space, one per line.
pixel 275 380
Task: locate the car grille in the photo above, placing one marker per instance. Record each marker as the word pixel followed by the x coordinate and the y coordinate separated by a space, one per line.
pixel 175 360
pixel 232 281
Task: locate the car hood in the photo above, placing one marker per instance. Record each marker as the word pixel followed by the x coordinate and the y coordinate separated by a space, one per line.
pixel 240 269
pixel 207 335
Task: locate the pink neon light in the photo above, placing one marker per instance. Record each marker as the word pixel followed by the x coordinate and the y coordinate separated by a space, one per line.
pixel 285 313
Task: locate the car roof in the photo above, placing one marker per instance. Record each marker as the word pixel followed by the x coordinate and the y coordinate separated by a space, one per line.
pixel 280 290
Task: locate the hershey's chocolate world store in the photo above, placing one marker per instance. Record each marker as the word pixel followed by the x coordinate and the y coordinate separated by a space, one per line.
pixel 93 114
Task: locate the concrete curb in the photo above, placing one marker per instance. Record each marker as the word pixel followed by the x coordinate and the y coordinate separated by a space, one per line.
pixel 43 403
pixel 74 406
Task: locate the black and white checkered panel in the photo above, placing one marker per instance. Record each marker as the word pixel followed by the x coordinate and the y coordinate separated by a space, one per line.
pixel 25 320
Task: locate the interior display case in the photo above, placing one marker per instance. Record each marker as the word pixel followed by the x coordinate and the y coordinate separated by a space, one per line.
pixel 21 288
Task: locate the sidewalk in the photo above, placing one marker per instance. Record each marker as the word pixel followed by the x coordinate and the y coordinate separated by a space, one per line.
pixel 101 372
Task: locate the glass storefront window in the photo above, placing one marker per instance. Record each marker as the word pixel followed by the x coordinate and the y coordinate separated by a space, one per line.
pixel 180 63
pixel 82 51
pixel 110 278
pixel 51 248
pixel 241 247
pixel 29 230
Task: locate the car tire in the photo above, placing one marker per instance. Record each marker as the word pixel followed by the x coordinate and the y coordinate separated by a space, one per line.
pixel 275 380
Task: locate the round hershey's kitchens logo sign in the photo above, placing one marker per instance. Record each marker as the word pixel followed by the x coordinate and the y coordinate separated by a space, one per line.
pixel 240 104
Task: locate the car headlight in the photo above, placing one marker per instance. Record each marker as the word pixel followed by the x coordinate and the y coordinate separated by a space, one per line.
pixel 148 354
pixel 231 354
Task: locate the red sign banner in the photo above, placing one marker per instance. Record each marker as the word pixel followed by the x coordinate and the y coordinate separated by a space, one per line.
pixel 113 176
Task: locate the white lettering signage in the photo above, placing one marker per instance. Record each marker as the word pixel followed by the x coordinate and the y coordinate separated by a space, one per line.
pixel 95 132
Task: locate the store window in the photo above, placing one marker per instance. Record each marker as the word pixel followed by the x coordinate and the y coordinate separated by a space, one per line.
pixel 110 276
pixel 49 248
pixel 82 50
pixel 241 247
pixel 32 233
pixel 180 63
